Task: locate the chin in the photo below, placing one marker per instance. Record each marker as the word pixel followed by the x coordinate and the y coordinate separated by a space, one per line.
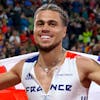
pixel 45 48
pixel 48 48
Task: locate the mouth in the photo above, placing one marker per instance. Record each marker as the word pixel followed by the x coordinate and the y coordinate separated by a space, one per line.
pixel 45 37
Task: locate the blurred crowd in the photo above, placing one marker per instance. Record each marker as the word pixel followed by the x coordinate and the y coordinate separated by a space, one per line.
pixel 16 26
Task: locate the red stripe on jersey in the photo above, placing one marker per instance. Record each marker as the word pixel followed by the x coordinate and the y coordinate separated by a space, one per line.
pixel 71 54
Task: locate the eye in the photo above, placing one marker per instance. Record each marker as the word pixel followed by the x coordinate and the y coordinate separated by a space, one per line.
pixel 40 23
pixel 53 23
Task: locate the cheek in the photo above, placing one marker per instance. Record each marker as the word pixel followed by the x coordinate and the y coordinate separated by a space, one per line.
pixel 60 33
pixel 35 35
pixel 36 31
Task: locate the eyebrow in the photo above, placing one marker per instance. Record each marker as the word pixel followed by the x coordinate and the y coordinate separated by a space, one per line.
pixel 54 21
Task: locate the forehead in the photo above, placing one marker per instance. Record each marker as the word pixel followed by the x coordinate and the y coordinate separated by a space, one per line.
pixel 47 15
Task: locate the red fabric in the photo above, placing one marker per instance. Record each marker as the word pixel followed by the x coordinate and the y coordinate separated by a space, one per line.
pixel 70 54
pixel 13 95
pixel 19 95
pixel 4 29
pixel 23 38
pixel 92 16
pixel 6 95
pixel 2 69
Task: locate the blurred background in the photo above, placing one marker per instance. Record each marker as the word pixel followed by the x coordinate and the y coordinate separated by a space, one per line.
pixel 16 26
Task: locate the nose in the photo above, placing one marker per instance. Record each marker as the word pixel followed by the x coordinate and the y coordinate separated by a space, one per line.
pixel 45 31
pixel 45 28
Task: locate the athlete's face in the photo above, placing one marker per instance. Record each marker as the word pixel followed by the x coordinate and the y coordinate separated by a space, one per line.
pixel 49 30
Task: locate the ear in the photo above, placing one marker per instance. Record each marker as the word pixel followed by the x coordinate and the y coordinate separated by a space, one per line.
pixel 65 30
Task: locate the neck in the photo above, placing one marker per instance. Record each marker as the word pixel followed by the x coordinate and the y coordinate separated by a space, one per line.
pixel 52 58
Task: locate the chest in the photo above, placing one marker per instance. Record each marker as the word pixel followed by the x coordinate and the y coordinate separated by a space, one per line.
pixel 62 79
pixel 57 81
pixel 44 80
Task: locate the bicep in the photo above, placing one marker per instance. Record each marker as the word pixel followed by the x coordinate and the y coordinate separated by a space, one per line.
pixel 94 72
pixel 8 79
pixel 89 69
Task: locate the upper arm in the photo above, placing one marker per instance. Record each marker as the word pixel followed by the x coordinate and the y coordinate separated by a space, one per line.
pixel 11 77
pixel 89 68
pixel 94 71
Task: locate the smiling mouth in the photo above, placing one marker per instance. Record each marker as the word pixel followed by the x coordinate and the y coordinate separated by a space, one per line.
pixel 45 37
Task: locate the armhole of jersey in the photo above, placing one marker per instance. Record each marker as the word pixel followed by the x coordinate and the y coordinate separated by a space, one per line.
pixel 72 55
pixel 77 72
pixel 27 67
pixel 23 71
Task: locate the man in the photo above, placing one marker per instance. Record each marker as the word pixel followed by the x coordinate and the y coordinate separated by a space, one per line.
pixel 53 74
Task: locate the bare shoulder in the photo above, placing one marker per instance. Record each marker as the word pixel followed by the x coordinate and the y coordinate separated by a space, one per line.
pixel 87 64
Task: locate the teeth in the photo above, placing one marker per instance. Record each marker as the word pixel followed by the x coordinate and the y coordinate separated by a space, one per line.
pixel 45 37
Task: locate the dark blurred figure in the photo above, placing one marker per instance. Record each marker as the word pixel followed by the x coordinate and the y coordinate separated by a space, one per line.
pixel 96 49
